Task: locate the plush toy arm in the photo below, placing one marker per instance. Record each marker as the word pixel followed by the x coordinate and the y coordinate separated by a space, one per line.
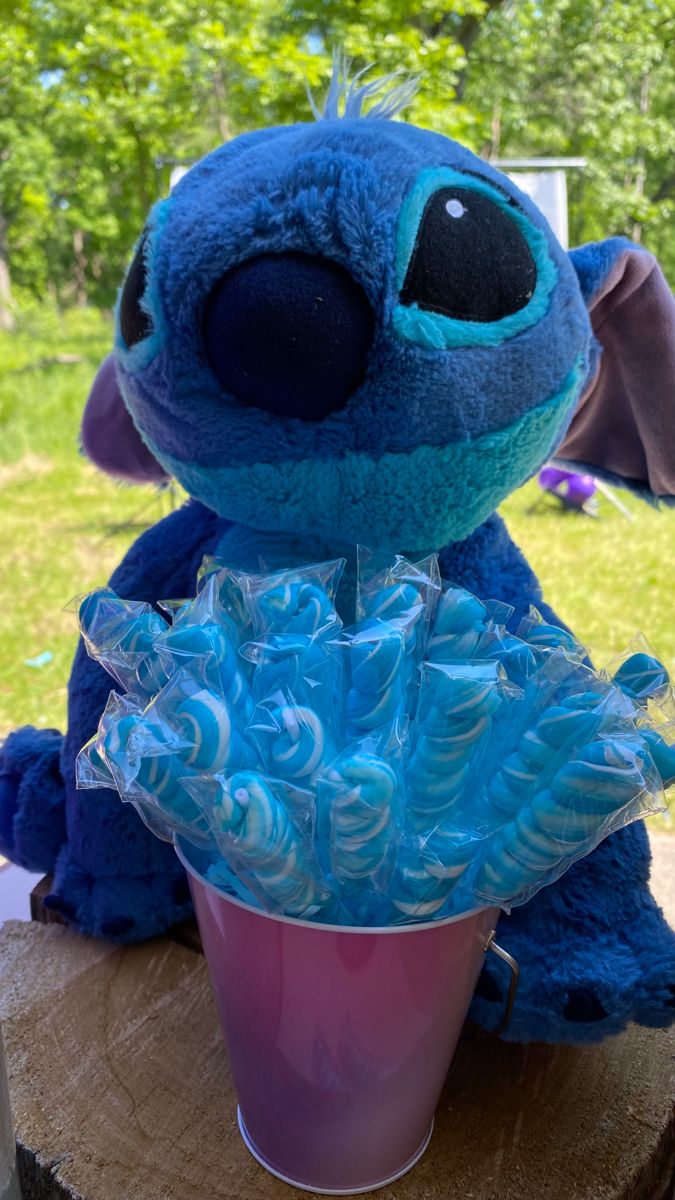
pixel 32 798
pixel 113 878
pixel 45 823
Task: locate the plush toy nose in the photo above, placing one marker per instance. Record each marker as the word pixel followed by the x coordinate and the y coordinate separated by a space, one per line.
pixel 289 333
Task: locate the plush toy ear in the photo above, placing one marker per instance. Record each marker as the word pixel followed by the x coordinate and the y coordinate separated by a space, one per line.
pixel 110 438
pixel 624 427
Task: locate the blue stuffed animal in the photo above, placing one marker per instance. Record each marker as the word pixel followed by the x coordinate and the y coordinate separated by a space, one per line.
pixel 354 330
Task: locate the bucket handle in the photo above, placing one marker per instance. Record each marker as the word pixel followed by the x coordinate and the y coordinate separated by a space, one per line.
pixel 492 947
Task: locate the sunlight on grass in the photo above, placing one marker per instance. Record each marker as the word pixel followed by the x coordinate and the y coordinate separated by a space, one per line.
pixel 65 526
pixel 606 577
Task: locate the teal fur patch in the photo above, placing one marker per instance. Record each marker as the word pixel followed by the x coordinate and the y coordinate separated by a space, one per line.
pixel 429 496
pixel 433 331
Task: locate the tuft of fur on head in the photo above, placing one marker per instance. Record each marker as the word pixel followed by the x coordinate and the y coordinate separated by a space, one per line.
pixel 347 97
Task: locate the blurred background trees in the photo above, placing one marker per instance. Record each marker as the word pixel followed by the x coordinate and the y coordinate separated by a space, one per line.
pixel 97 100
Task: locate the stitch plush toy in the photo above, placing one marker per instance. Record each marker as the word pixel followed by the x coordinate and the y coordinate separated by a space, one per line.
pixel 348 331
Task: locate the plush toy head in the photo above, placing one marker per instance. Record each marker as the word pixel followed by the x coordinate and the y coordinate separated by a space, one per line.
pixel 354 328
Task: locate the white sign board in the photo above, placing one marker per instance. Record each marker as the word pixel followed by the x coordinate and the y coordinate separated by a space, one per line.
pixel 548 190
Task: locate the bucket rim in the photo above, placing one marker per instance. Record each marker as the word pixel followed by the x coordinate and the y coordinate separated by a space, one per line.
pixel 361 930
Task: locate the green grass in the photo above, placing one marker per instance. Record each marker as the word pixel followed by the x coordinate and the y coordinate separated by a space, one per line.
pixel 65 526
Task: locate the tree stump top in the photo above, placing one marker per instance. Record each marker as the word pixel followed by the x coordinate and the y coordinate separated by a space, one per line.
pixel 121 1091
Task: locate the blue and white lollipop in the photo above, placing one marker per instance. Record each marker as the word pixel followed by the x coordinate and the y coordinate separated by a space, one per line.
pixel 296 744
pixel 215 645
pixel 295 606
pixel 120 634
pixel 558 729
pixel 377 695
pixel 458 627
pixel 205 729
pixel 449 733
pixel 428 869
pixel 642 676
pixel 564 820
pixel 255 833
pixel 146 770
pixel 358 800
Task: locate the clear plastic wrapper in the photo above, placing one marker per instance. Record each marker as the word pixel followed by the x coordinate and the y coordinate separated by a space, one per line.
pixel 460 622
pixel 203 633
pixel 450 739
pixel 286 754
pixel 90 768
pixel 543 636
pixel 429 868
pixel 563 715
pixel 376 676
pixel 300 601
pixel 295 740
pixel 142 761
pixel 258 828
pixel 360 801
pixel 389 587
pixel 405 595
pixel 204 729
pixel 230 592
pixel 608 783
pixel 641 675
pixel 120 635
pixel 306 667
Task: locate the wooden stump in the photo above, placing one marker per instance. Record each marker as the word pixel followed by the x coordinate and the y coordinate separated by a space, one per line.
pixel 121 1091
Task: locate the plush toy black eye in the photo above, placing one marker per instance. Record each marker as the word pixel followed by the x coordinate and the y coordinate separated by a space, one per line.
pixel 470 261
pixel 135 323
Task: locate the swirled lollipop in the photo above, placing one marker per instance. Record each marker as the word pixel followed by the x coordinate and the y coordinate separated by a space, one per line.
pixel 428 869
pixel 215 645
pixel 377 694
pixel 558 727
pixel 145 769
pixel 204 727
pixel 458 627
pixel 254 831
pixel 360 796
pixel 452 727
pixel 641 676
pixel 294 606
pixel 295 742
pixel 544 636
pixel 603 778
pixel 120 634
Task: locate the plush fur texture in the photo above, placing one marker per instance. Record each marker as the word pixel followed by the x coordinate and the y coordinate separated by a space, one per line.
pixel 448 418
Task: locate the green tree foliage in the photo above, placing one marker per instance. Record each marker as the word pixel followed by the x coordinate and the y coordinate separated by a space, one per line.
pixel 98 99
pixel 596 79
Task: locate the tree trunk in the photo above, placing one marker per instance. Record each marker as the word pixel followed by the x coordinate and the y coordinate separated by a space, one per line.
pixel 7 321
pixel 641 175
pixel 80 268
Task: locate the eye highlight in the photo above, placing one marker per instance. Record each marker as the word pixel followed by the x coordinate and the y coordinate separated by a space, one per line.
pixel 470 261
pixel 135 324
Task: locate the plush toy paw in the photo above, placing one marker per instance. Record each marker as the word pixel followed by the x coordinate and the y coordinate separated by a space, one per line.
pixel 594 950
pixel 32 798
pixel 122 908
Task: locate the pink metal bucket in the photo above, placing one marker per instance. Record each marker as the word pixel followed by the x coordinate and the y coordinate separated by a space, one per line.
pixel 339 1039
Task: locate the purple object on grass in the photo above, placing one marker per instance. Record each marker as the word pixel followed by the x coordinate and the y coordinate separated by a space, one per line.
pixel 574 489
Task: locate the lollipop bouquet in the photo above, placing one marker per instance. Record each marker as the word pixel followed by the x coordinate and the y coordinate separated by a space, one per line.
pixel 418 764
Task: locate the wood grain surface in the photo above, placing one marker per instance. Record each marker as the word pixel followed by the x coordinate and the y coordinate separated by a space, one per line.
pixel 121 1091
